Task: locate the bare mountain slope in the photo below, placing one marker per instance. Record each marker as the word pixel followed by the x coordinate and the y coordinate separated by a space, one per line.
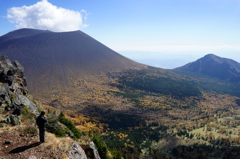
pixel 55 59
pixel 215 66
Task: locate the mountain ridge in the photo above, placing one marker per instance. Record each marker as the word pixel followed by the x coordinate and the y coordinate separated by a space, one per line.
pixel 215 66
pixel 22 33
pixel 55 59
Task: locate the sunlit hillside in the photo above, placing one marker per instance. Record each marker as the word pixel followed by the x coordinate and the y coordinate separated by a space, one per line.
pixel 137 110
pixel 54 60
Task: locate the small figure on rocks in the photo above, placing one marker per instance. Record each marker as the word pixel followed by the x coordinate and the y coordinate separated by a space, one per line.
pixel 41 120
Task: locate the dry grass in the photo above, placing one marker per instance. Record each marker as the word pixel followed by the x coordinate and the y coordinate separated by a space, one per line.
pixel 11 128
pixel 55 143
pixel 54 148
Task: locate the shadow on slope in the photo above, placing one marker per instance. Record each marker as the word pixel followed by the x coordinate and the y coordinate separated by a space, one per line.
pixel 23 148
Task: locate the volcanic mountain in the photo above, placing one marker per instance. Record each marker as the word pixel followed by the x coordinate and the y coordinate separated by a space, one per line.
pixel 215 66
pixel 54 60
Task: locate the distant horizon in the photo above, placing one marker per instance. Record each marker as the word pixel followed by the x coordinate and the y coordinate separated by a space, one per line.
pixel 156 32
pixel 170 60
pixel 166 60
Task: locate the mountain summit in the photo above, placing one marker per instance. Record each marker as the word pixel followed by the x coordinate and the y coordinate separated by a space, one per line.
pixel 215 66
pixel 55 59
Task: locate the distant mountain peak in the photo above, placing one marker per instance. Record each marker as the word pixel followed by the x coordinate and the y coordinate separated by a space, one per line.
pixel 216 58
pixel 210 55
pixel 215 66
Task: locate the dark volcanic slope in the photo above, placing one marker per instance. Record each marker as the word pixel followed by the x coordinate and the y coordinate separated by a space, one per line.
pixel 54 59
pixel 214 66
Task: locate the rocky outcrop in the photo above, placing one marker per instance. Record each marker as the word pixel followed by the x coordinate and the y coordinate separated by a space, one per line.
pixel 95 152
pixel 13 91
pixel 23 100
pixel 12 75
pixel 76 152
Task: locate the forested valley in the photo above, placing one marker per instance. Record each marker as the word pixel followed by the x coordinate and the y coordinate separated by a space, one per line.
pixel 157 113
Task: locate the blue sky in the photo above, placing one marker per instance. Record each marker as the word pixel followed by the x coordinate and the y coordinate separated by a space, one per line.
pixel 162 33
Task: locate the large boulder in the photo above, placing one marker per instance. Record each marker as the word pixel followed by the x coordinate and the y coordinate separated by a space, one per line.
pixel 96 154
pixel 76 152
pixel 22 100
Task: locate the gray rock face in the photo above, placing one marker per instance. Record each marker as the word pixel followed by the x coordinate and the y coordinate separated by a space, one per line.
pixel 5 65
pixel 22 100
pixel 4 94
pixel 96 154
pixel 12 119
pixel 13 86
pixel 13 75
pixel 32 157
pixel 76 152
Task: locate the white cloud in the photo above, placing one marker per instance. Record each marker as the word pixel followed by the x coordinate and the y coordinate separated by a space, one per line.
pixel 44 15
